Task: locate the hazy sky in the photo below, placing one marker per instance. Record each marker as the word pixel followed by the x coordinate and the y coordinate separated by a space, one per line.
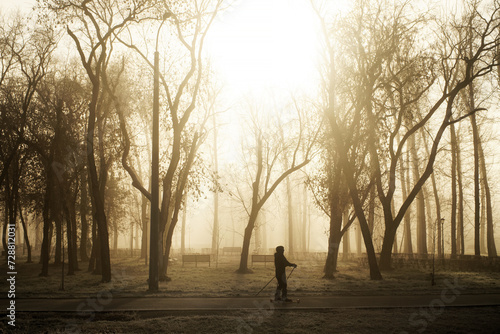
pixel 24 5
pixel 260 44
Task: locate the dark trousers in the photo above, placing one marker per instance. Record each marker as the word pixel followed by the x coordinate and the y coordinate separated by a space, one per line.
pixel 281 289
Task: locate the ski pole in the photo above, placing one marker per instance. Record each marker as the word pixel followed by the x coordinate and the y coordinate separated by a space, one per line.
pixel 264 286
pixel 290 273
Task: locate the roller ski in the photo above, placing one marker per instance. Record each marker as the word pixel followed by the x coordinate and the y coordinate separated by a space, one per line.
pixel 284 301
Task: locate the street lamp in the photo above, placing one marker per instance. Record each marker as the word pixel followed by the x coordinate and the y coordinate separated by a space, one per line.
pixel 155 211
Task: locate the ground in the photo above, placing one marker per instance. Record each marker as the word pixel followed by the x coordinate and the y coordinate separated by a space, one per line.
pixel 453 320
pixel 130 275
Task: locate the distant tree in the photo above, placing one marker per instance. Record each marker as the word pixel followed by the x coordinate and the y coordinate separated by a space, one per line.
pixel 420 200
pixel 26 55
pixel 60 105
pixel 434 222
pixel 271 144
pixel 490 236
pixel 405 184
pixel 453 220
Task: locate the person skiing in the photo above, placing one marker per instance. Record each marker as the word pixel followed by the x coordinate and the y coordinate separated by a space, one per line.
pixel 280 263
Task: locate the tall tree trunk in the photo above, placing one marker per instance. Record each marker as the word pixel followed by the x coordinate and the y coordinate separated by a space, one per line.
pixel 115 237
pixel 136 239
pixel 58 224
pixel 69 238
pixel 477 194
pixel 371 210
pixel 183 226
pixel 430 219
pixel 460 216
pixel 6 222
pixel 358 240
pixel 144 219
pixel 176 207
pixel 47 222
pixel 482 243
pixel 257 235
pixel 346 247
pixel 421 225
pixel 407 246
pixel 243 268
pixel 131 238
pixel 93 249
pixel 436 228
pixel 96 193
pixel 98 260
pixel 103 263
pixel 438 217
pixel 72 231
pixel 490 236
pixel 453 220
pixel 471 104
pixel 365 230
pixel 395 248
pixel 333 252
pixel 38 234
pixel 215 227
pixel 83 216
pixel 335 234
pixel 26 237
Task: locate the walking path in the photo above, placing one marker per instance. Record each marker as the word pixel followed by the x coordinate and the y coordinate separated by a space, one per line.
pixel 106 302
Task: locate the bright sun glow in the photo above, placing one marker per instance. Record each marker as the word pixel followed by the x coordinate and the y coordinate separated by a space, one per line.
pixel 260 44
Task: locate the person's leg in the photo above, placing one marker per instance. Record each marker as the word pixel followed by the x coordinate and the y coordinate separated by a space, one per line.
pixel 277 294
pixel 283 287
pixel 279 288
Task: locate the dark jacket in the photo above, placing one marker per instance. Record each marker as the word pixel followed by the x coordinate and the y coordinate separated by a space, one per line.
pixel 280 263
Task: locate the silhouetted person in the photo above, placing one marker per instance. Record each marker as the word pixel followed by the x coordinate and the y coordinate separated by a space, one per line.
pixel 280 263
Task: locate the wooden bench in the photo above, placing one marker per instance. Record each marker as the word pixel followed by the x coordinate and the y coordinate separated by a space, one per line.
pixel 195 258
pixel 262 258
pixel 231 250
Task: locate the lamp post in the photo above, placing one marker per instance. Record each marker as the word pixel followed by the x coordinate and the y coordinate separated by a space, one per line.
pixel 155 192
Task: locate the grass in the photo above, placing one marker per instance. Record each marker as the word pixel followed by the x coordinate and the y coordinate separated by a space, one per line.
pixel 130 279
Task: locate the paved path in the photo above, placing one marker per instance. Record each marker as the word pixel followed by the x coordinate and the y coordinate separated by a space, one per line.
pixel 105 302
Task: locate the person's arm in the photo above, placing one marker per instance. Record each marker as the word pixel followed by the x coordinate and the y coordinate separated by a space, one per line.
pixel 288 264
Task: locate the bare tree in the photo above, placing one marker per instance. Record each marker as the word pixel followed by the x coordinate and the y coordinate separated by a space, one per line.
pixel 191 22
pixel 92 25
pixel 270 147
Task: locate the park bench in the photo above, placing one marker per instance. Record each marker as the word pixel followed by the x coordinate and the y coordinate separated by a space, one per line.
pixel 262 258
pixel 231 250
pixel 195 258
